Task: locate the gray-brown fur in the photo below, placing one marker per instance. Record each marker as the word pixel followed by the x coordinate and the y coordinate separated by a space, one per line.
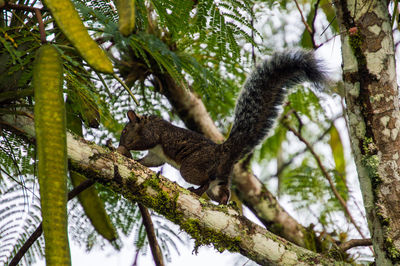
pixel 264 91
pixel 205 163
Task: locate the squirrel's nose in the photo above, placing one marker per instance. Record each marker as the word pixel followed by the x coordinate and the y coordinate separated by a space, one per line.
pixel 124 151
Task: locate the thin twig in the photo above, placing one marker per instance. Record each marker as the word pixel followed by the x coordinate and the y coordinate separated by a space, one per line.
pixel 355 243
pixel 315 15
pixel 20 183
pixel 151 236
pixel 41 26
pixel 38 232
pixel 21 252
pixel 19 7
pixel 135 261
pixel 326 175
pixel 315 46
pixel 147 222
pixel 330 23
pixel 126 88
pixel 308 28
pixel 289 162
pixel 104 84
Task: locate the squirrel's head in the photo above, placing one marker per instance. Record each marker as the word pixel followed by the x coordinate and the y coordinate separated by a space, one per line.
pixel 136 134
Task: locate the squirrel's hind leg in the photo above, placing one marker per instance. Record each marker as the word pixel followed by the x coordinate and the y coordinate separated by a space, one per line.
pixel 195 175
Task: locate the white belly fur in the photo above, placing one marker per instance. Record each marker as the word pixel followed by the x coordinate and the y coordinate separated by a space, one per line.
pixel 158 150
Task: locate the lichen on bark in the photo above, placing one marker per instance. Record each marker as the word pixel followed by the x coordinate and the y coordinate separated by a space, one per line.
pixel 373 115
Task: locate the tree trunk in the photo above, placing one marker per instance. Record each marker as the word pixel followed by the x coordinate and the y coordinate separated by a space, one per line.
pixel 373 114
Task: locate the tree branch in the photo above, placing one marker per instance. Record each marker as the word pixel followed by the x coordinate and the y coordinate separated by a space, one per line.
pixel 207 223
pixel 151 236
pixel 371 73
pixel 303 19
pixel 148 223
pixel 355 243
pixel 326 175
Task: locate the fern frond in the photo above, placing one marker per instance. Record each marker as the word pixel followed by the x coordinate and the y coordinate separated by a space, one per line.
pixel 103 12
pixel 220 24
pixel 18 219
pixel 171 14
pixel 148 46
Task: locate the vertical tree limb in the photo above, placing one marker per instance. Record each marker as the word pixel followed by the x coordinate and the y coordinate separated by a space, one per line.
pixel 372 102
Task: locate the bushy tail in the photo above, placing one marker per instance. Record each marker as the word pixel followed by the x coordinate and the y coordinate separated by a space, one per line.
pixel 264 91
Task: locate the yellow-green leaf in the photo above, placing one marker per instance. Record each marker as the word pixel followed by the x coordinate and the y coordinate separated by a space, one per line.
pixel 126 12
pixel 70 23
pixel 337 151
pixel 94 208
pixel 51 145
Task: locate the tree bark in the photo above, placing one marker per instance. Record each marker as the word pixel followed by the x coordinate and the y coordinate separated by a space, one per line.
pixel 207 223
pixel 373 114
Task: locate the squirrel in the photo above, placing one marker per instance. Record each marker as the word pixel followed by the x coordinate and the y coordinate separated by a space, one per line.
pixel 205 163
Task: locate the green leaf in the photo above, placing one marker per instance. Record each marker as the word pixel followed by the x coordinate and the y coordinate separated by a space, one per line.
pixel 272 144
pixel 306 102
pixel 337 151
pixel 330 14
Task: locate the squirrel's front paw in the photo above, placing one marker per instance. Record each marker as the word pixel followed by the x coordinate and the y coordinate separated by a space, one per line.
pixel 195 191
pixel 200 190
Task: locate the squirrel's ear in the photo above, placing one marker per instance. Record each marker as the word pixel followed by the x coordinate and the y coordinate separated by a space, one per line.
pixel 133 117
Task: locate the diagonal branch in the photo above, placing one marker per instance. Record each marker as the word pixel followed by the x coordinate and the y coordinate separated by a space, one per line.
pixel 327 176
pixel 355 243
pixel 147 222
pixel 221 226
pixel 303 19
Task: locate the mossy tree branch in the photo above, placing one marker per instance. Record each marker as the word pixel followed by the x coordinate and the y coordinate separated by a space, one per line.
pixel 207 223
